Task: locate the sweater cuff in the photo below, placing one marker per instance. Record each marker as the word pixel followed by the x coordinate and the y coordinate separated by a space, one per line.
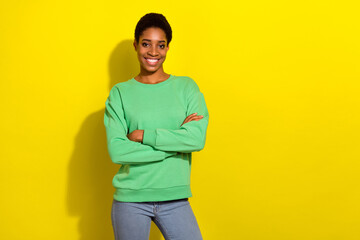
pixel 168 154
pixel 149 137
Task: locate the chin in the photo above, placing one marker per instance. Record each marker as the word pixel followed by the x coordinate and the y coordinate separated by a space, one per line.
pixel 152 70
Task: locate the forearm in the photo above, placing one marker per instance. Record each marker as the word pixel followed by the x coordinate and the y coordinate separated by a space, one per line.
pixel 191 137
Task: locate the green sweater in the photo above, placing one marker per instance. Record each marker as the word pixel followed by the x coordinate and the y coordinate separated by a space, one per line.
pixel 159 168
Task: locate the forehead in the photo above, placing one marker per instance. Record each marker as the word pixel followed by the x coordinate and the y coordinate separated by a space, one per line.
pixel 153 34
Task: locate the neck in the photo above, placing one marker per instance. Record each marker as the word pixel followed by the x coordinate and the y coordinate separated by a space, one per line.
pixel 152 77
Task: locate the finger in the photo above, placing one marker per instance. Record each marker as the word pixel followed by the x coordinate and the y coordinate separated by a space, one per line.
pixel 191 115
pixel 196 117
pixel 186 121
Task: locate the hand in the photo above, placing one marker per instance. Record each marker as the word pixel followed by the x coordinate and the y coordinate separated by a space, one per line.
pixel 136 135
pixel 192 117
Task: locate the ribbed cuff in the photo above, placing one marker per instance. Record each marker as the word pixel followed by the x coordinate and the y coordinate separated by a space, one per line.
pixel 168 154
pixel 149 137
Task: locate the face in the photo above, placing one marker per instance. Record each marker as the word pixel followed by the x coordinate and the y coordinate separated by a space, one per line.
pixel 151 49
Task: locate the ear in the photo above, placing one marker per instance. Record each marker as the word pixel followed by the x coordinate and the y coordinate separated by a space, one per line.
pixel 135 45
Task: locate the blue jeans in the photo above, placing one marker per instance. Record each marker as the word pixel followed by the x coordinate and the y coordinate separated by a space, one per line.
pixel 175 219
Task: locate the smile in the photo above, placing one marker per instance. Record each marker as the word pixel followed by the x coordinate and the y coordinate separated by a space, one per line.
pixel 151 61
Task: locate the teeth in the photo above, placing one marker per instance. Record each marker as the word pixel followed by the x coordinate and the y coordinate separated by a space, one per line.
pixel 152 60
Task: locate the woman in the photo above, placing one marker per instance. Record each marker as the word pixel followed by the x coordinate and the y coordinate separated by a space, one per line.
pixel 153 122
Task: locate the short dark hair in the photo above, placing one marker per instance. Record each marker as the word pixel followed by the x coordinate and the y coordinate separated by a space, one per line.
pixel 153 20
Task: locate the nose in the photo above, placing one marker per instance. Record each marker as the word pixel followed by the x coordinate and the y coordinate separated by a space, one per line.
pixel 153 51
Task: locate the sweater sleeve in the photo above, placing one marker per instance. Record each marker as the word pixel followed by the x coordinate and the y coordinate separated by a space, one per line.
pixel 191 136
pixel 120 148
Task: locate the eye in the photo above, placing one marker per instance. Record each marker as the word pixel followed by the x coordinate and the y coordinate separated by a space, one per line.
pixel 162 46
pixel 144 44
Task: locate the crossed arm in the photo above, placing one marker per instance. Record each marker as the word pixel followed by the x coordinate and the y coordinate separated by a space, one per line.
pixel 138 135
pixel 151 145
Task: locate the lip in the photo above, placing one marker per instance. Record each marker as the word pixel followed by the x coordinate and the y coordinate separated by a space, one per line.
pixel 152 63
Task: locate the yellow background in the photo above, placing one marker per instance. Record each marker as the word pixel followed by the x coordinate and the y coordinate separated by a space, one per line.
pixel 281 81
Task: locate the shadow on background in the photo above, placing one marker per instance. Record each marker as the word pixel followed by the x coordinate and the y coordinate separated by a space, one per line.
pixel 90 173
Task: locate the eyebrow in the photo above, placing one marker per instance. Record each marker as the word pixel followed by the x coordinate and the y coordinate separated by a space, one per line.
pixel 150 40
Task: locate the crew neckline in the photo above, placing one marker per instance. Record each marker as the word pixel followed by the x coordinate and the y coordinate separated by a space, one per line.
pixel 153 85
